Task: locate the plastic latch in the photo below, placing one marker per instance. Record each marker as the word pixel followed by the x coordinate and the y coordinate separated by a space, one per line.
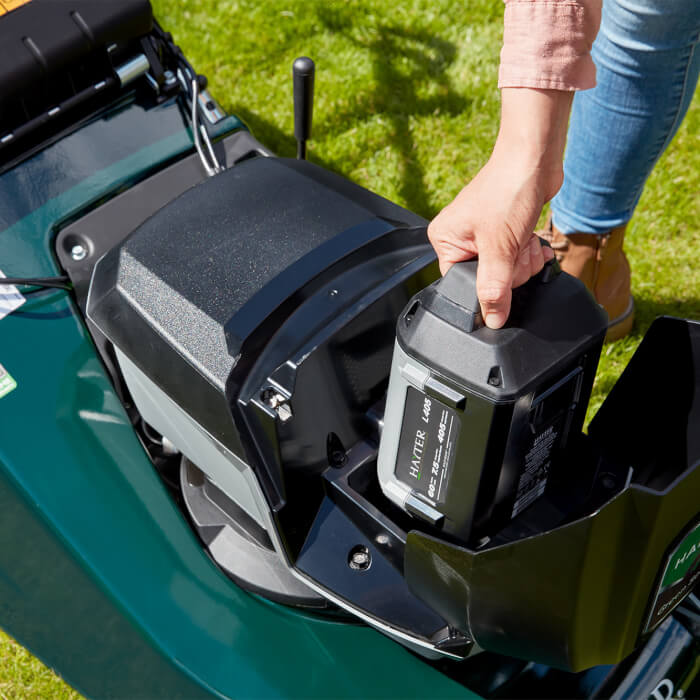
pixel 551 268
pixel 420 509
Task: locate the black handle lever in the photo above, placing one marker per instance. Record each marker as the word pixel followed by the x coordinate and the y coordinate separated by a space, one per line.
pixel 303 71
pixel 459 284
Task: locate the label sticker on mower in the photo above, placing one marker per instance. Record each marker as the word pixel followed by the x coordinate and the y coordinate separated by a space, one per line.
pixel 10 298
pixel 7 383
pixel 533 478
pixel 681 573
pixel 9 5
pixel 427 445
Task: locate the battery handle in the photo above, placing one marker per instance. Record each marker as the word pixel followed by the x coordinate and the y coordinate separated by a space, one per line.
pixel 459 284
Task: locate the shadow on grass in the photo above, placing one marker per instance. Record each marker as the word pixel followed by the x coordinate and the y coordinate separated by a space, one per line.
pixel 648 310
pixel 402 61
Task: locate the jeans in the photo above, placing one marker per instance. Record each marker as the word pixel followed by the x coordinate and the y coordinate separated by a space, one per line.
pixel 647 60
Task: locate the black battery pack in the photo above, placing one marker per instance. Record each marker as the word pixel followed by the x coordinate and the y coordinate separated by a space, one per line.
pixel 477 419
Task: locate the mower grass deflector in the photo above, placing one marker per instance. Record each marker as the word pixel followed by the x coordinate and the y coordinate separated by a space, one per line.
pixel 585 592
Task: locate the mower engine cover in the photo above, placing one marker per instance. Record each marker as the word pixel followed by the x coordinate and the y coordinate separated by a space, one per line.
pixel 193 299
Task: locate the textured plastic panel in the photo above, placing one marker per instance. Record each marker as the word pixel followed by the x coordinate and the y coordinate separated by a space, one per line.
pixel 171 294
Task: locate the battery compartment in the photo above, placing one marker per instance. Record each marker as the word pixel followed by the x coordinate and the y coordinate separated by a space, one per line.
pixel 582 591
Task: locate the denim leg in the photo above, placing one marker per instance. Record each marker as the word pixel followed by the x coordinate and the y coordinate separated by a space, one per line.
pixel 647 59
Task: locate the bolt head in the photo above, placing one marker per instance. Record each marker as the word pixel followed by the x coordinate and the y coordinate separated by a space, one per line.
pixel 359 558
pixel 78 252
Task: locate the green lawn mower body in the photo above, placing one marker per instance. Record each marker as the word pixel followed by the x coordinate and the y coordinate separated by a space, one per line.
pixel 134 569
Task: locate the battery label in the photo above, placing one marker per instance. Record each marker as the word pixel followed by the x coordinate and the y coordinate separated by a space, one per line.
pixel 427 446
pixel 533 479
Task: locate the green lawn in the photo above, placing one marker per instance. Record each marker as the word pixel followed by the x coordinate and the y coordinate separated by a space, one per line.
pixel 407 105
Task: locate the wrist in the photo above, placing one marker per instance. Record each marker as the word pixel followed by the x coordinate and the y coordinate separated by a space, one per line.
pixel 533 126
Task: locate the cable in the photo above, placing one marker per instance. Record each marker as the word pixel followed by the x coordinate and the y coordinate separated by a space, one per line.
pixel 62 282
pixel 191 84
pixel 211 166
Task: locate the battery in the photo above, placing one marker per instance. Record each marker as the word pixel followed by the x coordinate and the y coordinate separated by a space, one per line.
pixel 477 418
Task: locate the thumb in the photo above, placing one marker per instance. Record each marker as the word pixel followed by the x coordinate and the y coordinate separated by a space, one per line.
pixel 494 279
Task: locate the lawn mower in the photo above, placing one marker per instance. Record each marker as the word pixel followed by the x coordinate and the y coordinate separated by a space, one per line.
pixel 253 445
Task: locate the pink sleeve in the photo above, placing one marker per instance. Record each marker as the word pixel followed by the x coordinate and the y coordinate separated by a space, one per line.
pixel 547 44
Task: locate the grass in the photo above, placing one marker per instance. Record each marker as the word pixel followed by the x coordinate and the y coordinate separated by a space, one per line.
pixel 406 105
pixel 24 677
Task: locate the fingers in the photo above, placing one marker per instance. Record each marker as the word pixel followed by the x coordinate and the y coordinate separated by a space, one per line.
pixel 531 260
pixel 448 247
pixel 523 265
pixel 494 279
pixel 536 255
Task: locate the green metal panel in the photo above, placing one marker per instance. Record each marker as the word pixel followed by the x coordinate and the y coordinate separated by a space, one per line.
pixel 100 575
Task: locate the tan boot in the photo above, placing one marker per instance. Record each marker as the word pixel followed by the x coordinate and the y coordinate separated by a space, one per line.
pixel 601 264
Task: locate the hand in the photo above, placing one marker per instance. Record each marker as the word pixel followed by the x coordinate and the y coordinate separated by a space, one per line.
pixel 494 216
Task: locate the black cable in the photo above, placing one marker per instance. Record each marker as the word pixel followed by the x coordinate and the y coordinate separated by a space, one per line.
pixel 61 282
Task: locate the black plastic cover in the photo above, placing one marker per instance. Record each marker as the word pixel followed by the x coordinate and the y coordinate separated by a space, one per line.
pixel 201 286
pixel 42 37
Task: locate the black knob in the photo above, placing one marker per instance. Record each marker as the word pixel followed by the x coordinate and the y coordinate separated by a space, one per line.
pixel 303 70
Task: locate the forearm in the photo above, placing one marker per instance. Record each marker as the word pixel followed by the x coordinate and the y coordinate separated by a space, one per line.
pixel 532 134
pixel 546 55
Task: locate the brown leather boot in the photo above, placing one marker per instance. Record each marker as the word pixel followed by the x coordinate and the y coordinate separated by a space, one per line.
pixel 601 264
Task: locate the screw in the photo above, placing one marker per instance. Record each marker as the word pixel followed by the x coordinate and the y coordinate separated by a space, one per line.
pixel 359 558
pixel 277 402
pixel 338 458
pixel 78 252
pixel 170 78
pixel 333 293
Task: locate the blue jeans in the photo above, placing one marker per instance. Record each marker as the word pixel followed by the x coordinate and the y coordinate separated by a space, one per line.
pixel 647 59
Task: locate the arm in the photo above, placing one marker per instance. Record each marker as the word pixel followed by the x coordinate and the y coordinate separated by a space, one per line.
pixel 546 45
pixel 494 216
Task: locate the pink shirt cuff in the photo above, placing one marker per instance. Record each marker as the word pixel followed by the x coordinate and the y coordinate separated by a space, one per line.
pixel 547 44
